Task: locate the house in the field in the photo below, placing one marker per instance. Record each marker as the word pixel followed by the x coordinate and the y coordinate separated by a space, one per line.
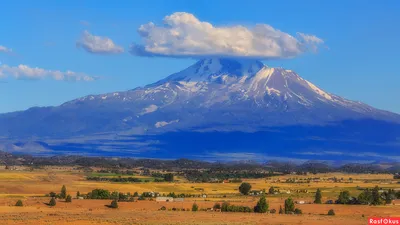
pixel 255 192
pixel 179 199
pixel 164 199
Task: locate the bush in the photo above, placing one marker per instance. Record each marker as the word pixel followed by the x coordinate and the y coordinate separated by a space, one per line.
pixel 280 210
pixel 331 212
pixel 52 202
pixel 224 207
pixel 217 206
pixel 68 199
pixel 273 211
pixel 298 211
pixel 114 204
pixel 195 207
pixel 163 208
pixel 19 203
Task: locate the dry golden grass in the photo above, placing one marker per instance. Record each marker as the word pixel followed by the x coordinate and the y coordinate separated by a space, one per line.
pixel 28 186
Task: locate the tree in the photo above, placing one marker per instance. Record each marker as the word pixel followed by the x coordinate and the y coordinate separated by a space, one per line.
pixel 331 212
pixel 318 197
pixel 114 204
pixel 365 197
pixel 289 206
pixel 262 205
pixel 280 210
pixel 195 207
pixel 245 188
pixel 344 197
pixel 19 203
pixel 169 177
pixel 389 196
pixel 136 194
pixel 78 194
pixel 376 197
pixel 68 199
pixel 63 193
pixel 271 190
pixel 52 202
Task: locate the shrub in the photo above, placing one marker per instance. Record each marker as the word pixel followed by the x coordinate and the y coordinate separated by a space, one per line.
pixel 224 207
pixel 52 202
pixel 280 210
pixel 163 208
pixel 195 207
pixel 244 188
pixel 331 212
pixel 273 211
pixel 68 199
pixel 19 203
pixel 217 206
pixel 298 211
pixel 114 204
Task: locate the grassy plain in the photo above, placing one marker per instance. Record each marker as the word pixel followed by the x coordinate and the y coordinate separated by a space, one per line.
pixel 31 186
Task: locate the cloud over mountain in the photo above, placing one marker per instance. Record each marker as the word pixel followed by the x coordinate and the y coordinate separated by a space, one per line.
pixel 35 73
pixel 5 49
pixel 98 45
pixel 184 35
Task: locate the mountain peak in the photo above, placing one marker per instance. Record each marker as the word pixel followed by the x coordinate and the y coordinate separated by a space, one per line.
pixel 212 68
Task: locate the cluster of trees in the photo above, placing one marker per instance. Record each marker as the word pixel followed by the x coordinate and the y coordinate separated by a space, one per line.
pixel 62 195
pixel 368 197
pixel 169 177
pixel 115 171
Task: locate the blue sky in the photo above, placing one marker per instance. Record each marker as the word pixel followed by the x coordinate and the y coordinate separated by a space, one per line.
pixel 358 59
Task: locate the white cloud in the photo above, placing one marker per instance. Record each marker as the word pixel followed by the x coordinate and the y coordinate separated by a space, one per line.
pixel 26 72
pixel 5 49
pixel 98 44
pixel 183 35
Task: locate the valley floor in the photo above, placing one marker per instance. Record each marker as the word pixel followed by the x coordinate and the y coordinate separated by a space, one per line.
pixel 31 186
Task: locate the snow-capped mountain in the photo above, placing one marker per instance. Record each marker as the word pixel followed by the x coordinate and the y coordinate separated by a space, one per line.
pixel 214 94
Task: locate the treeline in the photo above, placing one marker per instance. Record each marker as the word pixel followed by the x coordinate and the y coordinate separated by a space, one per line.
pixel 125 163
pixel 219 176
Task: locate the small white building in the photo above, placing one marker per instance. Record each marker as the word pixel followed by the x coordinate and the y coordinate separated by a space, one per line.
pixel 164 199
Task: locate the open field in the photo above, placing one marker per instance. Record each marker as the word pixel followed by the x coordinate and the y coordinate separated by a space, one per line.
pixel 31 186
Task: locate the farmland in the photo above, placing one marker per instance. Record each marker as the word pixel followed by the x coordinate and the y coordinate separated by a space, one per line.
pixel 33 186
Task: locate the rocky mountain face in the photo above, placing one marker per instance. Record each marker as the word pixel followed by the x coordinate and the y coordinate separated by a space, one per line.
pixel 213 95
